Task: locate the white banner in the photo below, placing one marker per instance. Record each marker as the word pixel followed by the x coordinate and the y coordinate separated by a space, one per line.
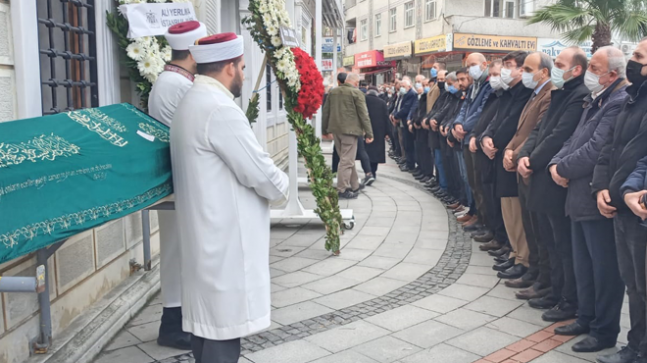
pixel 153 19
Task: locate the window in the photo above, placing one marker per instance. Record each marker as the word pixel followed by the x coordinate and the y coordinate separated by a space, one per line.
pixel 268 87
pixel 393 21
pixel 378 25
pixel 67 47
pixel 430 10
pixel 408 14
pixel 501 8
pixel 363 26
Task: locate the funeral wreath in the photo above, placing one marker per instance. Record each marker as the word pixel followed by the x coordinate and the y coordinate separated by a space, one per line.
pixel 302 86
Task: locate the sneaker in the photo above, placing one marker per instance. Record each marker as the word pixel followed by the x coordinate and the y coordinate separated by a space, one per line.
pixel 349 194
pixel 369 180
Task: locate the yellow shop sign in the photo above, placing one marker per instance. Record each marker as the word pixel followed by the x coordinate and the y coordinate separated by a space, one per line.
pixel 501 43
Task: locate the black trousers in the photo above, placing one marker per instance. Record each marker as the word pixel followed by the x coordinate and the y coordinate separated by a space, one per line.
pixel 538 258
pixel 410 147
pixel 423 153
pixel 557 240
pixel 374 169
pixel 600 289
pixel 454 185
pixel 215 351
pixel 494 214
pixel 631 248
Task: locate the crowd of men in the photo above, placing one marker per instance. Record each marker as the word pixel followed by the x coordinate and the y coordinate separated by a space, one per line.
pixel 545 163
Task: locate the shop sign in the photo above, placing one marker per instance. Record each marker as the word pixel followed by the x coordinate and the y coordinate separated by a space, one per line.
pixel 288 37
pixel 386 64
pixel 368 59
pixel 553 47
pixel 151 19
pixel 326 65
pixel 440 43
pixel 348 61
pixel 400 50
pixel 327 46
pixel 494 43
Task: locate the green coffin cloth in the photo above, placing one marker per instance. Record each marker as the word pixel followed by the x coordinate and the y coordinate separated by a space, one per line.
pixel 70 172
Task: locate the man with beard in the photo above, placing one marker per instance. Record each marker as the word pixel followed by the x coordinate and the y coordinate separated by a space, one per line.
pixel 224 183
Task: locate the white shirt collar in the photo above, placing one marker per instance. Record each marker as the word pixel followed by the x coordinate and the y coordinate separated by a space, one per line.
pixel 213 82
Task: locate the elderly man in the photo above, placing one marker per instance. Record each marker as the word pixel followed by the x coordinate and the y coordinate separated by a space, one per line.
pixel 599 286
pixel 408 101
pixel 477 96
pixel 345 116
pixel 547 198
pixel 617 160
pixel 537 69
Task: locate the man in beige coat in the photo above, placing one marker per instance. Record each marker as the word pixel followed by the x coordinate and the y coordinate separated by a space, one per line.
pixel 345 116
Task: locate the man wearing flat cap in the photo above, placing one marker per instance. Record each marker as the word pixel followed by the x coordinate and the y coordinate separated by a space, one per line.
pixel 167 92
pixel 224 183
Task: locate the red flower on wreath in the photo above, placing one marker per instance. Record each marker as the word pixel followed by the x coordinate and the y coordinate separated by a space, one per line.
pixel 312 89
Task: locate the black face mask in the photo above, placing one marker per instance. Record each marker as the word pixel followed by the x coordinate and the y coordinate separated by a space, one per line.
pixel 633 72
pixel 441 85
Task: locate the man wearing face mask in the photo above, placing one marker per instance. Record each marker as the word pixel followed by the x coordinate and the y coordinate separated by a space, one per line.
pixel 502 191
pixel 536 76
pixel 423 152
pixel 616 162
pixel 439 184
pixel 545 196
pixel 599 286
pixel 477 96
pixel 408 100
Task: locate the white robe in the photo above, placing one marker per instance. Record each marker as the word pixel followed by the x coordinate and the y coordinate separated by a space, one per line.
pixel 167 92
pixel 224 183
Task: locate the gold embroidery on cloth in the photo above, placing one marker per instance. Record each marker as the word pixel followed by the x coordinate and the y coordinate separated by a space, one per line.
pixel 40 148
pixel 11 239
pixel 160 134
pixel 100 123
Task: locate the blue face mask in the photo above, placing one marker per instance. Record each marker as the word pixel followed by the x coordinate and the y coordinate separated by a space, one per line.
pixel 452 89
pixel 434 73
pixel 427 89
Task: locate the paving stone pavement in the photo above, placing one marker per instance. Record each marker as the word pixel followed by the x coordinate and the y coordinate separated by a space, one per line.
pixel 405 289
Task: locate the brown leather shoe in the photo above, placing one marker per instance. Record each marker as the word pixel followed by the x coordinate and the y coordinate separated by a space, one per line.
pixel 454 206
pixel 519 283
pixel 491 246
pixel 531 293
pixel 471 222
pixel 464 218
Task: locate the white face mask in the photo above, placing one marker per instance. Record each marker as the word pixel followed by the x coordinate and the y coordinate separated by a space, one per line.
pixel 403 90
pixel 506 75
pixel 557 76
pixel 497 83
pixel 418 85
pixel 592 82
pixel 476 72
pixel 528 80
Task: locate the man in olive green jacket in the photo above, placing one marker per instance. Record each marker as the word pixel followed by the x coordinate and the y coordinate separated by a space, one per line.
pixel 345 116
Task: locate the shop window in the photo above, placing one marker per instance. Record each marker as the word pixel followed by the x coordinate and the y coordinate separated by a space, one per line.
pixel 430 10
pixel 67 47
pixel 378 25
pixel 393 20
pixel 363 25
pixel 268 88
pixel 501 8
pixel 408 15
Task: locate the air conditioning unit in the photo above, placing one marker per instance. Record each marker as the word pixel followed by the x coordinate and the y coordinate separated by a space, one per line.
pixel 526 8
pixel 626 49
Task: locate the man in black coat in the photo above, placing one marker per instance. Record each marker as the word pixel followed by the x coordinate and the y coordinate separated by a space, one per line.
pixel 616 162
pixel 503 190
pixel 439 184
pixel 423 153
pixel 378 113
pixel 546 198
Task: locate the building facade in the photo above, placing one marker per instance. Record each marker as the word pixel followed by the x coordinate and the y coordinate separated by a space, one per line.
pixel 407 36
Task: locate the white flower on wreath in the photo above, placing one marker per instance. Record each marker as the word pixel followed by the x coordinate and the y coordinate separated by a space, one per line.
pixel 167 53
pixel 135 51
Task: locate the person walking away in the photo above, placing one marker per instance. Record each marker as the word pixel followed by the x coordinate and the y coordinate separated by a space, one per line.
pixel 224 183
pixel 345 116
pixel 599 286
pixel 378 114
pixel 617 161
pixel 166 94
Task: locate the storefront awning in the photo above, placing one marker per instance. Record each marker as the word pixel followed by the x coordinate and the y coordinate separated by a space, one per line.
pixel 368 59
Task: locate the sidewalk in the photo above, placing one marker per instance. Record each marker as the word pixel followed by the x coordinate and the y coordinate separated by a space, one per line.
pixel 409 287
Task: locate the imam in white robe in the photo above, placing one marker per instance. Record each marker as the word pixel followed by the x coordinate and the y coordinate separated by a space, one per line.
pixel 167 92
pixel 224 183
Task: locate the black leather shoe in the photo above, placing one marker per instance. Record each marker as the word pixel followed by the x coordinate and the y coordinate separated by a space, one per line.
pixel 170 332
pixel 563 311
pixel 472 228
pixel 500 252
pixel 532 293
pixel 590 345
pixel 485 237
pixel 513 272
pixel 546 302
pixel 404 168
pixel 504 266
pixel 502 258
pixel 624 355
pixel 573 329
pixel 524 282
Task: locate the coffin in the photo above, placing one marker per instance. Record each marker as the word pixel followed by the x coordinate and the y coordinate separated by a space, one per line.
pixel 66 173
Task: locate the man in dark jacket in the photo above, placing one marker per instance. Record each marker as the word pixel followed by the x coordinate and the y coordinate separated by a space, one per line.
pixel 440 183
pixel 502 191
pixel 401 115
pixel 423 153
pixel 617 160
pixel 378 113
pixel 547 198
pixel 477 96
pixel 599 285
